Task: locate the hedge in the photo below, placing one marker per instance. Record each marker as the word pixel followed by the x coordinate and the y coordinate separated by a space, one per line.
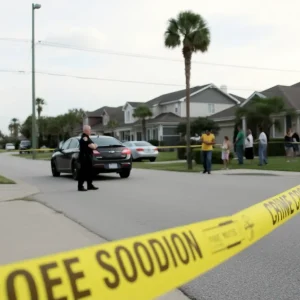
pixel 181 152
pixel 275 148
pixel 216 156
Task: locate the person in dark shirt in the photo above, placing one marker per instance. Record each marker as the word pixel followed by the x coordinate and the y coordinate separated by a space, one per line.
pixel 288 145
pixel 296 140
pixel 85 159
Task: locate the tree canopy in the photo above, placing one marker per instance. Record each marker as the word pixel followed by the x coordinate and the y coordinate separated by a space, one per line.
pixel 189 30
pixel 260 112
pixel 198 126
pixel 143 112
pixel 54 129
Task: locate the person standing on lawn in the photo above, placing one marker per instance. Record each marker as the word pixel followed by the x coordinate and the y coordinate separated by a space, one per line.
pixel 296 141
pixel 207 140
pixel 239 143
pixel 225 152
pixel 288 145
pixel 249 153
pixel 262 147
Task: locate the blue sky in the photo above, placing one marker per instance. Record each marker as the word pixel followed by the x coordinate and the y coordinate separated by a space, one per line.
pixel 258 33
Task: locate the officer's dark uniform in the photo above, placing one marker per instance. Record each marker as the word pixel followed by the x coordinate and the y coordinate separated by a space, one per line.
pixel 86 163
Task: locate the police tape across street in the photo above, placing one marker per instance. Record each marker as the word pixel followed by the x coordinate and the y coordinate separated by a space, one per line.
pixel 146 266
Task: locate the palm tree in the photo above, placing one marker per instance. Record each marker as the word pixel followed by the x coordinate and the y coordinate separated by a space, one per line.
pixel 40 103
pixel 190 31
pixel 142 113
pixel 14 127
pixel 112 125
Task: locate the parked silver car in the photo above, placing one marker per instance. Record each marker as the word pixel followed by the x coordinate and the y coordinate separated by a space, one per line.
pixel 142 150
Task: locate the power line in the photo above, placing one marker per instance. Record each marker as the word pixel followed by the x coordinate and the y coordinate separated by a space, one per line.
pixel 108 79
pixel 14 40
pixel 136 55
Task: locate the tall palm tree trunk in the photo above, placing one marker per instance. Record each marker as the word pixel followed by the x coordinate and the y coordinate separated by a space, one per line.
pixel 187 61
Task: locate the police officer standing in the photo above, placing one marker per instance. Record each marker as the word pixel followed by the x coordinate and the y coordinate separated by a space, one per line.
pixel 86 147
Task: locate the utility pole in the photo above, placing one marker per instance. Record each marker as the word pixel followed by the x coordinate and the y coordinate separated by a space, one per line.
pixel 34 128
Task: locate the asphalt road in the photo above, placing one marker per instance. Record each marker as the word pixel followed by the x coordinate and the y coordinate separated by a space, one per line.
pixel 155 200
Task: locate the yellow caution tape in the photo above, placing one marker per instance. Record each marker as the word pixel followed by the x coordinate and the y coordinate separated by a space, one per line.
pixel 147 266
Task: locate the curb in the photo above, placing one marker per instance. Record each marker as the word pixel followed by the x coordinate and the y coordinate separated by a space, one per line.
pixel 18 190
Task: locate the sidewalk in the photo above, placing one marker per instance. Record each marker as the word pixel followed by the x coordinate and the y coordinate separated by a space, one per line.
pixel 19 190
pixel 35 230
pixel 29 229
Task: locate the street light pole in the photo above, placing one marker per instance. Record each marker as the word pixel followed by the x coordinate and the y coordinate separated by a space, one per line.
pixel 34 131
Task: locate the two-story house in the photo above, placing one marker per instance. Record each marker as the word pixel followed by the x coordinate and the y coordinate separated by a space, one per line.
pixel 168 111
pixel 289 94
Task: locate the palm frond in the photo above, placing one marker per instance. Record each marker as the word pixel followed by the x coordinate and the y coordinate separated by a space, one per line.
pixel 191 29
pixel 172 39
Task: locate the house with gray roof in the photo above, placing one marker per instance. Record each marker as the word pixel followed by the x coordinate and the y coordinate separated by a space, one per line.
pixel 168 111
pixel 289 94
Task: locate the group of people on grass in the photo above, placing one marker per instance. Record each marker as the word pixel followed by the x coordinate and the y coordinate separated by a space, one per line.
pixel 243 147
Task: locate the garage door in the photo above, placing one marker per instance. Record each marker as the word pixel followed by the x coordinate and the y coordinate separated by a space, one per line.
pixel 224 131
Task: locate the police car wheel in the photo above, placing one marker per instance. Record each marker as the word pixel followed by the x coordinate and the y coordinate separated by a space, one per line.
pixel 125 174
pixel 55 173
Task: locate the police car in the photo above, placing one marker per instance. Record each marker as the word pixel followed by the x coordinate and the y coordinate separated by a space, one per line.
pixel 111 156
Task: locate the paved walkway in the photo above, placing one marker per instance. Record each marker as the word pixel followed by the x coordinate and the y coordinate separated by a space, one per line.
pixel 36 230
pixel 20 190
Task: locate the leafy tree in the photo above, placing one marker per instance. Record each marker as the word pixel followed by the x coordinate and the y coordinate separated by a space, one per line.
pixel 198 126
pixel 190 31
pixel 56 128
pixel 259 111
pixel 143 113
pixel 112 125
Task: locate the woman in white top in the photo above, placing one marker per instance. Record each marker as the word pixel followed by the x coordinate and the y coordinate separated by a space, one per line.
pixel 249 153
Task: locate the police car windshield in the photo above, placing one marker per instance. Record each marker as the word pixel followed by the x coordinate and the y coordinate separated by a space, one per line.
pixel 106 142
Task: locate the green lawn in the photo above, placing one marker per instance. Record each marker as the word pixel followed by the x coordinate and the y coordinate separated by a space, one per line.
pixel 4 180
pixel 274 164
pixel 167 156
pixel 39 155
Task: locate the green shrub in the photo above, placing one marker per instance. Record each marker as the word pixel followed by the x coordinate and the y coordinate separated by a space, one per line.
pixel 275 148
pixel 216 156
pixel 154 142
pixel 181 152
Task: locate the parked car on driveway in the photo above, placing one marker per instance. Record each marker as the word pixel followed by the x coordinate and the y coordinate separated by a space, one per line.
pixel 111 156
pixel 142 150
pixel 24 145
pixel 10 146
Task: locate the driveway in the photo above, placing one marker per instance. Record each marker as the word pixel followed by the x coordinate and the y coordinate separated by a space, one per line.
pixel 155 200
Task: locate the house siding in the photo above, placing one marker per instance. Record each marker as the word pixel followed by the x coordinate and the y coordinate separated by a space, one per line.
pixel 211 95
pixel 174 108
pixel 128 112
pixel 202 109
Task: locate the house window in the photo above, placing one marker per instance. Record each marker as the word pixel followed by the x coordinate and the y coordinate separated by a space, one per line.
pixel 211 108
pixel 128 116
pixel 176 108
